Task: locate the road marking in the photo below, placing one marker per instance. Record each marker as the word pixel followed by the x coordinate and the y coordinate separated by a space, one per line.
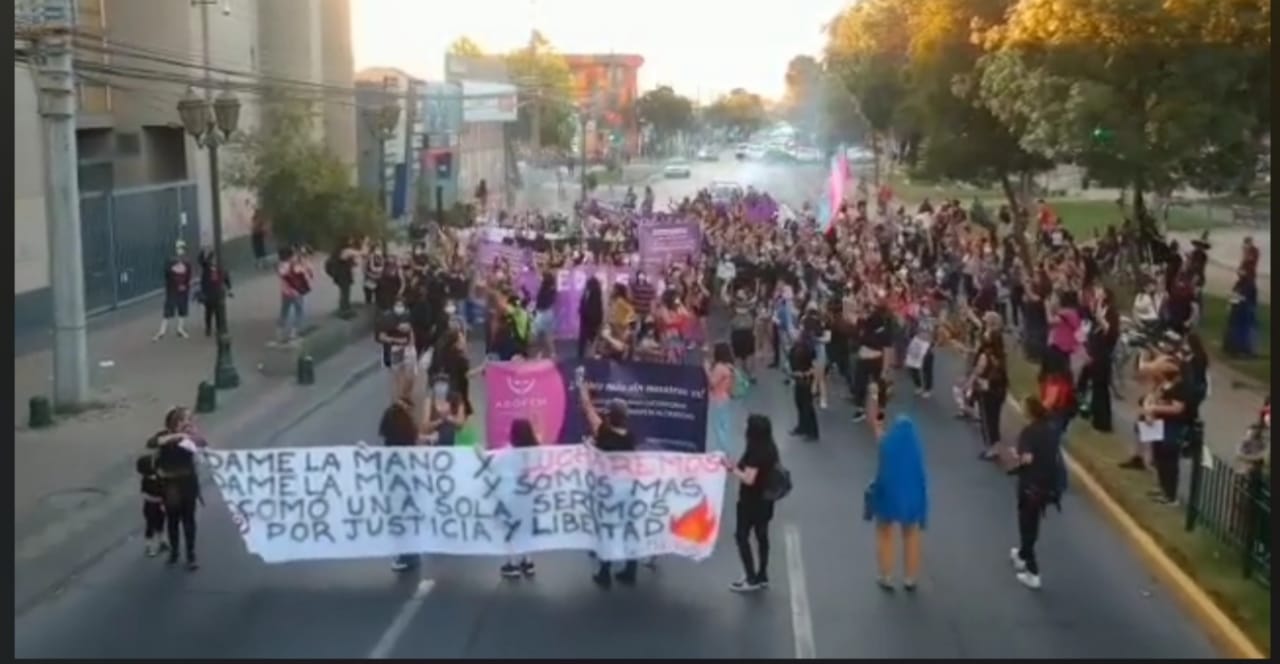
pixel 801 614
pixel 389 639
pixel 1221 629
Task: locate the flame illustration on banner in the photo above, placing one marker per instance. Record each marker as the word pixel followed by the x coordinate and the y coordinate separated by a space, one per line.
pixel 697 525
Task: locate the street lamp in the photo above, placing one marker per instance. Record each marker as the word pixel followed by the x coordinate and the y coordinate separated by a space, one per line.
pixel 212 124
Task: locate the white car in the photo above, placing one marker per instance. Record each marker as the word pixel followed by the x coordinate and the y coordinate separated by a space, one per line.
pixel 677 170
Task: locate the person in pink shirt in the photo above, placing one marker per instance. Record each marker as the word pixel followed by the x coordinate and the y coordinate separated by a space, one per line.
pixel 719 394
pixel 1064 325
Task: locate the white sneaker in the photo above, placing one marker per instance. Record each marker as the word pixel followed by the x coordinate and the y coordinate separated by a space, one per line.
pixel 157 336
pixel 743 586
pixel 400 566
pixel 151 549
pixel 1019 565
pixel 1029 580
pixel 183 333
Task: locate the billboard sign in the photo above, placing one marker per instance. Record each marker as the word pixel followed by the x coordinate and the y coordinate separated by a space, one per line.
pixel 488 102
pixel 443 104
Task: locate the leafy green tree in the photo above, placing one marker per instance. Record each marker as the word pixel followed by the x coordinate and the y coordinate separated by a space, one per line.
pixel 1145 94
pixel 302 186
pixel 545 83
pixel 666 111
pixel 741 111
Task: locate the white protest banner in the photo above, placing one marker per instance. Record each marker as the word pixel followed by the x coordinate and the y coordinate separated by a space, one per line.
pixel 316 503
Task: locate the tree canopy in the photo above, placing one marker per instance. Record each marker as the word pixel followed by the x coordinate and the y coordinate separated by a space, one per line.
pixel 546 83
pixel 666 111
pixel 1148 95
pixel 740 110
pixel 301 185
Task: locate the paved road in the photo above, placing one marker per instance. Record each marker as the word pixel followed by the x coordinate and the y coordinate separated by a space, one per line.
pixel 1098 601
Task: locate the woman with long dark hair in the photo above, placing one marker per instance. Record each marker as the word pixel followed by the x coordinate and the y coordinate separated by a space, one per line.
pixel 590 316
pixel 544 318
pixel 753 469
pixel 990 383
pixel 176 457
pixel 1100 343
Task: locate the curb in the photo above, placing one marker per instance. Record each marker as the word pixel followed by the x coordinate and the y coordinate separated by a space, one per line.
pixel 79 527
pixel 1218 626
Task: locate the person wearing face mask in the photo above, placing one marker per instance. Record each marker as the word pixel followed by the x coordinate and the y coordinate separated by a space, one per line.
pixel 395 333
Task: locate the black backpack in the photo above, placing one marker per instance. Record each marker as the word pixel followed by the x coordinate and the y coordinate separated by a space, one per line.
pixel 778 484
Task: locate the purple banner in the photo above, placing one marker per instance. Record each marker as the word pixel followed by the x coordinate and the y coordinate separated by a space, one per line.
pixel 489 250
pixel 664 244
pixel 570 284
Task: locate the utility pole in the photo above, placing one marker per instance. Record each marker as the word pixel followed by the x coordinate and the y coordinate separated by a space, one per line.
pixel 410 117
pixel 62 206
pixel 535 103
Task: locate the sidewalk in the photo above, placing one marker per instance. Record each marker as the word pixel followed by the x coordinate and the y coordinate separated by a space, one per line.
pixel 137 380
pixel 1224 258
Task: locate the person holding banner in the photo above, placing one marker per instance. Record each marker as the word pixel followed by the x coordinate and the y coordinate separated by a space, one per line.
pixel 522 435
pixel 753 469
pixel 610 434
pixel 398 429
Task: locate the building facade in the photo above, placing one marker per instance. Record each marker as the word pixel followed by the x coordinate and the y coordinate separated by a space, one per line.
pixel 377 87
pixel 143 181
pixel 608 85
pixel 484 148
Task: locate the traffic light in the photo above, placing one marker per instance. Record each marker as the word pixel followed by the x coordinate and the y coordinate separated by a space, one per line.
pixel 444 165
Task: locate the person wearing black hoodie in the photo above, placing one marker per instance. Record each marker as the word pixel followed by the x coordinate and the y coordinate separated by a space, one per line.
pixel 1039 486
pixel 176 452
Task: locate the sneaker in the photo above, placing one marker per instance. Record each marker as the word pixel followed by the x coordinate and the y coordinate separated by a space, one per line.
pixel 1019 565
pixel 157 336
pixel 192 565
pixel 885 583
pixel 1165 500
pixel 526 568
pixel 822 403
pixel 1029 580
pixel 400 565
pixel 183 333
pixel 859 417
pixel 743 586
pixel 509 570
pixel 152 550
pixel 909 585
pixel 762 582
pixel 926 394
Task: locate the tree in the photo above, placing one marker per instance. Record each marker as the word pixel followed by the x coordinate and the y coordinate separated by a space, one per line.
pixel 301 185
pixel 1144 94
pixel 741 111
pixel 547 85
pixel 806 89
pixel 867 49
pixel 666 111
pixel 465 46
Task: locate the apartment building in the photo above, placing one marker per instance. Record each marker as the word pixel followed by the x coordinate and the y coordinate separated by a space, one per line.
pixel 143 181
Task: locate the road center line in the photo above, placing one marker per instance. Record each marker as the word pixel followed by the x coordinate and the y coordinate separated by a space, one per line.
pixel 390 637
pixel 801 613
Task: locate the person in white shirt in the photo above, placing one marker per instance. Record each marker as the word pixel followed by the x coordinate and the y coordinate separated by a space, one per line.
pixel 1146 306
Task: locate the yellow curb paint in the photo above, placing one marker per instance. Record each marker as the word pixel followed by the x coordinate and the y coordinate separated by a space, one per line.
pixel 1220 628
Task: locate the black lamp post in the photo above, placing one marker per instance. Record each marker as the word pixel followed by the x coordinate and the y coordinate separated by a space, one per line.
pixel 212 124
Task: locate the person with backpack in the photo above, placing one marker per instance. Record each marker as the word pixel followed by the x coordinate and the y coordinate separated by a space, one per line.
pixel 761 482
pixel 1038 469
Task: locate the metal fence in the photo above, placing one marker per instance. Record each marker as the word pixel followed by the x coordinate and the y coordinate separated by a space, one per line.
pixel 1234 506
pixel 127 236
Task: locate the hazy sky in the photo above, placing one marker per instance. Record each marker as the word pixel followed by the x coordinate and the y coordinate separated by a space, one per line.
pixel 699 47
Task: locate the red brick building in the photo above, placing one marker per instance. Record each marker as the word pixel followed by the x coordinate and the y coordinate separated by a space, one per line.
pixel 614 77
